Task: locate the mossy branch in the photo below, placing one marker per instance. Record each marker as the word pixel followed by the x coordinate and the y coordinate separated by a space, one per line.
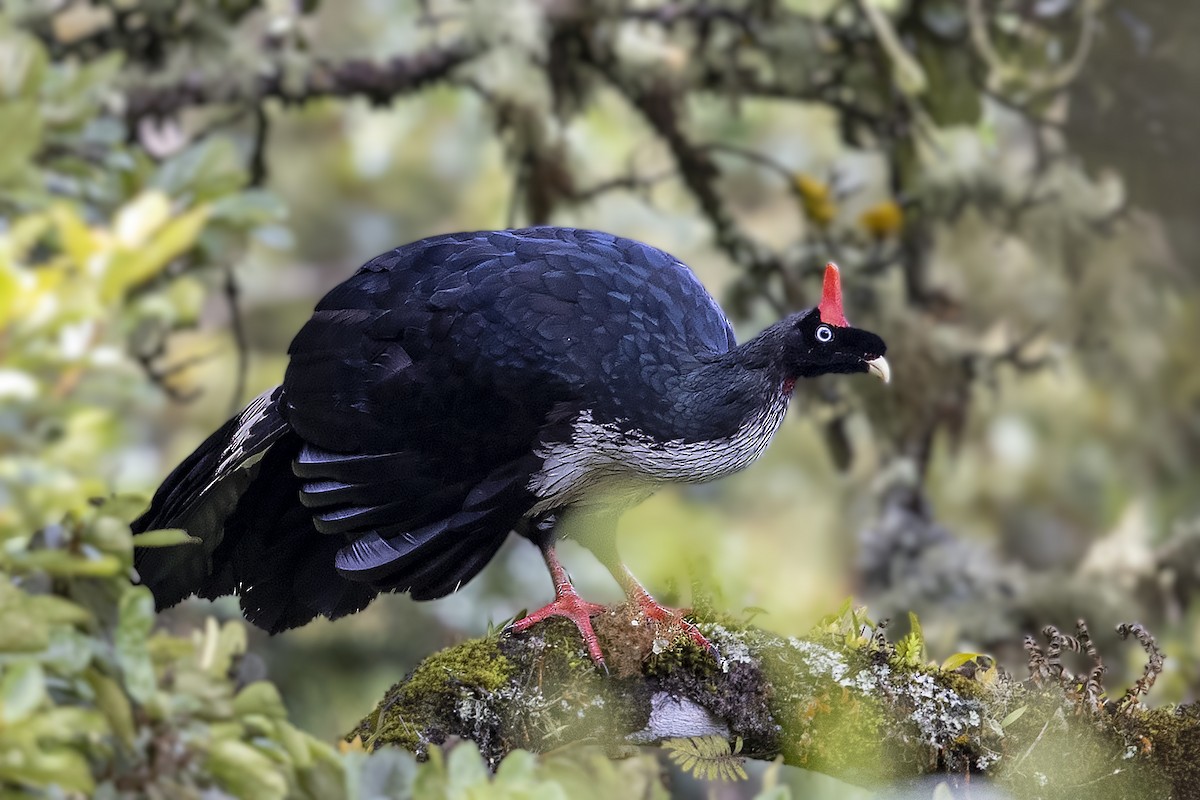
pixel 380 82
pixel 843 702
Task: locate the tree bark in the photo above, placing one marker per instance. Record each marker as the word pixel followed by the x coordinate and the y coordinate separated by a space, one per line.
pixel 843 702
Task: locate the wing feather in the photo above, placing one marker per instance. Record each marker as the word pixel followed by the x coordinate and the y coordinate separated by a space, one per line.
pixel 424 384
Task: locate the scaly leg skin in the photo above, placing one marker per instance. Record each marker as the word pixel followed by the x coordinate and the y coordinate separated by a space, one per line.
pixel 567 603
pixel 652 609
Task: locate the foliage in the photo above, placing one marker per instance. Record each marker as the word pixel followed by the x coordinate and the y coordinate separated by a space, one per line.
pixel 575 772
pixel 910 650
pixel 1048 384
pixel 102 251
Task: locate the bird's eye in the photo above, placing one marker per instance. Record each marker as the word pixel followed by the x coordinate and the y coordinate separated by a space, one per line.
pixel 824 333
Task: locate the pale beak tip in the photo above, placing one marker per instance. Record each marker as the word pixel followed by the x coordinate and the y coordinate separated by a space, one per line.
pixel 880 369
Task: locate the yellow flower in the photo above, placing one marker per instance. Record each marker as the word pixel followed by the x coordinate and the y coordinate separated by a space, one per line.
pixel 816 197
pixel 355 745
pixel 883 219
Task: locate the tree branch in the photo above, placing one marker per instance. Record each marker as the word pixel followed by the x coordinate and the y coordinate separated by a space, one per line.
pixel 660 105
pixel 844 702
pixel 378 82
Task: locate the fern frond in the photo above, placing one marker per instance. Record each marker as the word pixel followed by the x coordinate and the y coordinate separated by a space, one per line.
pixel 707 757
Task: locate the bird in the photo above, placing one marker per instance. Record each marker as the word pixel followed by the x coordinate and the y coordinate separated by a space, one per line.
pixel 470 386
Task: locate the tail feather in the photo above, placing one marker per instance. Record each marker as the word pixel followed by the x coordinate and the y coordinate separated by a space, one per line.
pixel 281 523
pixel 236 493
pixel 273 558
pixel 201 494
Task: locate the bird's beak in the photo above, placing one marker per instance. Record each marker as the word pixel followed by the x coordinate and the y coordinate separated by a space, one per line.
pixel 880 369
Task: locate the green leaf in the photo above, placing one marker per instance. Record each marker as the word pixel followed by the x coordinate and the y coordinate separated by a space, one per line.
pixel 135 618
pixel 69 652
pixel 958 659
pixel 244 772
pixel 296 743
pixel 210 169
pixel 166 537
pixel 249 208
pixel 389 772
pixel 50 766
pixel 114 704
pixel 73 233
pixel 1013 716
pixel 25 63
pixel 140 218
pixel 707 757
pixel 911 648
pixel 21 631
pixel 110 534
pixel 124 506
pixel 21 133
pixel 464 769
pixel 22 691
pixel 57 610
pixel 518 765
pixel 954 97
pixel 260 697
pixel 61 563
pixel 130 268
pixel 431 780
pixel 227 643
pixel 65 724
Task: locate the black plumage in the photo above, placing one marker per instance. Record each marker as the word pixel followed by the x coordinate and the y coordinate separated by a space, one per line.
pixel 463 387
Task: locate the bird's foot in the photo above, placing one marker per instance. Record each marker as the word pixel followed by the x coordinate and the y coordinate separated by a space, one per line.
pixel 673 618
pixel 570 605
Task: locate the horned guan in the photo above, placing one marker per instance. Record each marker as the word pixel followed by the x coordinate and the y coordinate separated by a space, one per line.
pixel 471 385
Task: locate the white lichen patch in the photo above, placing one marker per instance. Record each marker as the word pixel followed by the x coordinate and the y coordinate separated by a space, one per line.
pixel 478 712
pixel 869 680
pixel 985 761
pixel 733 648
pixel 821 659
pixel 941 714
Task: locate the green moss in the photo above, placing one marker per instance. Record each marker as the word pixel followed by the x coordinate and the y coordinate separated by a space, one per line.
pixel 683 654
pixel 564 645
pixel 1168 738
pixel 1058 745
pixel 475 669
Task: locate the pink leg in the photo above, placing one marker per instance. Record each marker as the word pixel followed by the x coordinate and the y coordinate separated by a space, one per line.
pixel 567 603
pixel 652 609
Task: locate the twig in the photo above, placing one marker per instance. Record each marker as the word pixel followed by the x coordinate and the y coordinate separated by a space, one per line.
pixel 232 293
pixel 1038 83
pixel 631 182
pixel 258 152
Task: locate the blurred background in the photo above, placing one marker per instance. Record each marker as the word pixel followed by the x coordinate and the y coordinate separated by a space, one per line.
pixel 1009 186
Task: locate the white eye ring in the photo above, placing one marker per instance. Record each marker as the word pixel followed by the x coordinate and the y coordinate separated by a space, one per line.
pixel 824 333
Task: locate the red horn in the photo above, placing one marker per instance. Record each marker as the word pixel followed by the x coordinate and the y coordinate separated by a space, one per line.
pixel 831 298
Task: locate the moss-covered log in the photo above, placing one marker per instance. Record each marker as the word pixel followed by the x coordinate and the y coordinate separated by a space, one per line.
pixel 843 702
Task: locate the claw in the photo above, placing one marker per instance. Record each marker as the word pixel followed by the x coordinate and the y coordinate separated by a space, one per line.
pixel 571 606
pixel 567 603
pixel 674 618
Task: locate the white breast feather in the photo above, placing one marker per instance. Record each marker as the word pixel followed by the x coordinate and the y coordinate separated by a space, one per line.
pixel 602 464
